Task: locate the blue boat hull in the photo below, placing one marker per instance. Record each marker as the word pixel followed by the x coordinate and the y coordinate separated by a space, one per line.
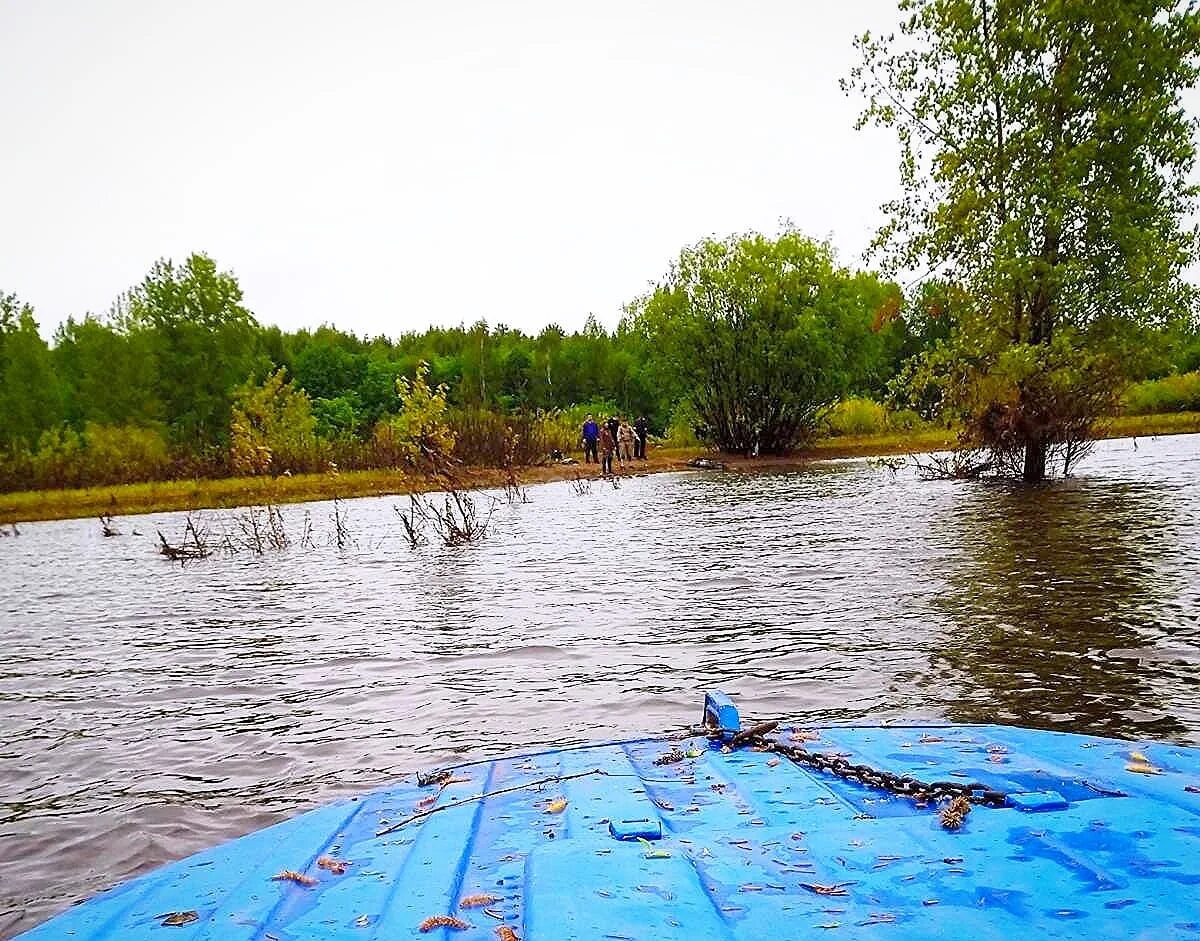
pixel 1100 839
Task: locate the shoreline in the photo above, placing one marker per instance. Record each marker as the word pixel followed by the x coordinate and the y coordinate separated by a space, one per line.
pixel 222 493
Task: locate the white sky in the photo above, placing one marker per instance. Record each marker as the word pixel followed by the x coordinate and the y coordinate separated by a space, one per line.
pixel 384 164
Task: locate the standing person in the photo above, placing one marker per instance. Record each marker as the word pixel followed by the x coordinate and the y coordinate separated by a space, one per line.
pixel 607 444
pixel 625 441
pixel 591 434
pixel 641 428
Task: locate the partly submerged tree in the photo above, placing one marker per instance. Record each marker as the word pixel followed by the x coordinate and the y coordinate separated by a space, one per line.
pixel 1045 161
pixel 761 335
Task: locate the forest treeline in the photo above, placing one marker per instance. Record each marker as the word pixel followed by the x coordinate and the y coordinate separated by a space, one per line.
pixel 179 378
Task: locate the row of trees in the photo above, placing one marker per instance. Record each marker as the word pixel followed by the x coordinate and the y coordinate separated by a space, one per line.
pixel 172 352
pixel 746 340
pixel 179 378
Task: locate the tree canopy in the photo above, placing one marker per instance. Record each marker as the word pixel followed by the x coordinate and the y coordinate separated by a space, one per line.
pixel 746 339
pixel 760 335
pixel 1045 171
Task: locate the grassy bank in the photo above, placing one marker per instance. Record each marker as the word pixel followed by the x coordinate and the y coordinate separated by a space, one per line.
pixel 125 499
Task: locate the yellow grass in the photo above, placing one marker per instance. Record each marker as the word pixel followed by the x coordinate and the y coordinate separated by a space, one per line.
pixel 1145 426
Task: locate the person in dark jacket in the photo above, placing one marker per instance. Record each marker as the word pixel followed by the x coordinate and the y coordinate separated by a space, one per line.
pixel 640 428
pixel 614 425
pixel 591 434
pixel 607 445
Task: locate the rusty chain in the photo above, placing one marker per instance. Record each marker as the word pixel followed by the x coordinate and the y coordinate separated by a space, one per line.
pixel 902 785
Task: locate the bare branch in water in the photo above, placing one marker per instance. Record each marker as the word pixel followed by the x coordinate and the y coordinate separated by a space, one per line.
pixel 892 464
pixel 457 521
pixel 513 491
pixel 277 536
pixel 249 522
pixel 306 537
pixel 194 544
pixel 963 464
pixel 341 531
pixel 414 523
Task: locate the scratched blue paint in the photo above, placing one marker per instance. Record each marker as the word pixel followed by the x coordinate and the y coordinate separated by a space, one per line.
pixel 1099 851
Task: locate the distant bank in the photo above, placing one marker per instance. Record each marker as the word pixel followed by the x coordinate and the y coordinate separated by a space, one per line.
pixel 163 496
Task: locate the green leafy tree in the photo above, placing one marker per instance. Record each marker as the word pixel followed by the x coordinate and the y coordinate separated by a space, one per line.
pixel 377 391
pixel 272 427
pixel 204 343
pixel 325 368
pixel 30 390
pixel 109 375
pixel 420 434
pixel 339 418
pixel 762 334
pixel 516 373
pixel 1045 161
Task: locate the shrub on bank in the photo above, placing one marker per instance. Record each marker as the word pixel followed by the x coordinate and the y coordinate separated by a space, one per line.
pixel 861 416
pixel 1179 393
pixel 100 454
pixel 857 416
pixel 481 436
pixel 126 454
pixel 681 430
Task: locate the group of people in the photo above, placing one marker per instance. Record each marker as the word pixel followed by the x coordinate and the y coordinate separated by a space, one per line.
pixel 616 436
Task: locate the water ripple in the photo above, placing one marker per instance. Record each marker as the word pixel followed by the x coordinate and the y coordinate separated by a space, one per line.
pixel 150 710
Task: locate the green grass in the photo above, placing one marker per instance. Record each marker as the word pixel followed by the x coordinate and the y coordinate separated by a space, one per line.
pixel 888 442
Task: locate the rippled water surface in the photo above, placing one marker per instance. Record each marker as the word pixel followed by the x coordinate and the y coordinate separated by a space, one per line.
pixel 148 710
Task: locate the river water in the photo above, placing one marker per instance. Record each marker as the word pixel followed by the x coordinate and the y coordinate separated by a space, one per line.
pixel 149 709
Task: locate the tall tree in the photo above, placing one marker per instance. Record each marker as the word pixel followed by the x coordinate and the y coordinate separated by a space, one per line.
pixel 108 375
pixel 762 334
pixel 1045 161
pixel 30 392
pixel 205 344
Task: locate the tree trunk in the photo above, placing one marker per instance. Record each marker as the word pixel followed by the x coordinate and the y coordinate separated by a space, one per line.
pixel 1035 462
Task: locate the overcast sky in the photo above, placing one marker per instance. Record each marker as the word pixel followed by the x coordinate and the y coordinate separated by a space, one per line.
pixel 385 165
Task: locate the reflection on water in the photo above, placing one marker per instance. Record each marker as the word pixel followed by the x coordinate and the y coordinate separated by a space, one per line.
pixel 148 710
pixel 1057 594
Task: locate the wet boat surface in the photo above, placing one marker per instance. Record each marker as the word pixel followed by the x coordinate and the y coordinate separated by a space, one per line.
pixel 699 838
